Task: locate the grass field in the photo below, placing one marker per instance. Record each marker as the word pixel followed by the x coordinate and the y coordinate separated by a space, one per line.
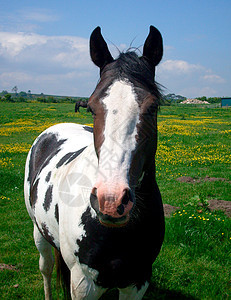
pixel 195 260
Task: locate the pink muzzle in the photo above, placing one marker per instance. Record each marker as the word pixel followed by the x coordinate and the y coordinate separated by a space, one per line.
pixel 113 203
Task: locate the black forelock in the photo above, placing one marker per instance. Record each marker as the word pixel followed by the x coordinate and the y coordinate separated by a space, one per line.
pixel 129 66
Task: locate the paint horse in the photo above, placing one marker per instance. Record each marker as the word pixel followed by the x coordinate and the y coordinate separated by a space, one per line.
pixel 92 193
pixel 79 104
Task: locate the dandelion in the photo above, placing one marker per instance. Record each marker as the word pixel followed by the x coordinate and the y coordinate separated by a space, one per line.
pixel 2 197
pixel 6 163
pixel 24 125
pixel 15 148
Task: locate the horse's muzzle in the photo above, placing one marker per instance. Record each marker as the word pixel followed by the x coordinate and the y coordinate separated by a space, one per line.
pixel 114 213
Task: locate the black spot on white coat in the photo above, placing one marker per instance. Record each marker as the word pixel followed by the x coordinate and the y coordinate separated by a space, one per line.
pixel 34 193
pixel 47 235
pixel 48 198
pixel 45 148
pixel 66 159
pixel 88 128
pixel 48 177
pixel 57 213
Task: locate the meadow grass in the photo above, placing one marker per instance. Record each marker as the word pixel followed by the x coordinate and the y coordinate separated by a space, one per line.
pixel 194 262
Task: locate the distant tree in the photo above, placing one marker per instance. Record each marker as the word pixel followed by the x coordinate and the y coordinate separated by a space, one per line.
pixel 23 94
pixel 4 92
pixel 202 98
pixel 29 94
pixel 8 98
pixel 214 100
pixel 15 89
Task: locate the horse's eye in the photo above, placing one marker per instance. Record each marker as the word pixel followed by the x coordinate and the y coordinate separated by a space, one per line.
pixel 152 109
pixel 91 110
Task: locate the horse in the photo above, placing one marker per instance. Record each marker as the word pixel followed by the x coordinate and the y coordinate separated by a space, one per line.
pixel 91 192
pixel 79 104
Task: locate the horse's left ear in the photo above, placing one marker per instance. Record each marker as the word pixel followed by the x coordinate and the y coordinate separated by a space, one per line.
pixel 99 52
pixel 153 47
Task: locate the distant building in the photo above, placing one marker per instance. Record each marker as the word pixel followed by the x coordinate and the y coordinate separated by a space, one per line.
pixel 194 101
pixel 225 102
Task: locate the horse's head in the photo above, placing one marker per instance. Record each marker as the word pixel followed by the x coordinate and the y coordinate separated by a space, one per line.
pixel 124 105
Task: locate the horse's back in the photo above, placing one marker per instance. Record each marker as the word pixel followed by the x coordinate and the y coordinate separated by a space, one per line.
pixel 55 148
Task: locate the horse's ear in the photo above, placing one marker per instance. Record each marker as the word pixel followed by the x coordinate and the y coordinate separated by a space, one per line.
pixel 100 54
pixel 153 47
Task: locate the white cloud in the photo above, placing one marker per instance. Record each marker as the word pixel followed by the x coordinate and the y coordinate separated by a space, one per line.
pixel 179 67
pixel 63 49
pixel 190 80
pixel 213 78
pixel 11 44
pixel 73 52
pixel 48 64
pixel 60 51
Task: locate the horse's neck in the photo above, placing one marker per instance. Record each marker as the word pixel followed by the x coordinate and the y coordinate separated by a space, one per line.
pixel 88 163
pixel 149 207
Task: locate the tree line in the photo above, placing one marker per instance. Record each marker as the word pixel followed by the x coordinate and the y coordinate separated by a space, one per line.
pixel 29 97
pixel 5 96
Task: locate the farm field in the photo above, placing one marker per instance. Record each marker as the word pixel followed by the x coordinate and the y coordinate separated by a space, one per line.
pixel 193 163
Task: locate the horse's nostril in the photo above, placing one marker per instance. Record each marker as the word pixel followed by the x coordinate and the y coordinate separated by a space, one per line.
pixel 94 200
pixel 120 209
pixel 127 197
pixel 94 192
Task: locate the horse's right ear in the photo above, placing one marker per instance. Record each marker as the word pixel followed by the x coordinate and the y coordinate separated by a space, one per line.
pixel 99 52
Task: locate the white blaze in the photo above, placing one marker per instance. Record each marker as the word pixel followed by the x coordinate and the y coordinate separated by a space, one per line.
pixel 122 117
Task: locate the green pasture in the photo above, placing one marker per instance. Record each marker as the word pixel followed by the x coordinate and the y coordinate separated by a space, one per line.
pixel 193 142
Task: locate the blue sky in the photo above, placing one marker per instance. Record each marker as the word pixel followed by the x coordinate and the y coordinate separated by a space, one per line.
pixel 44 44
